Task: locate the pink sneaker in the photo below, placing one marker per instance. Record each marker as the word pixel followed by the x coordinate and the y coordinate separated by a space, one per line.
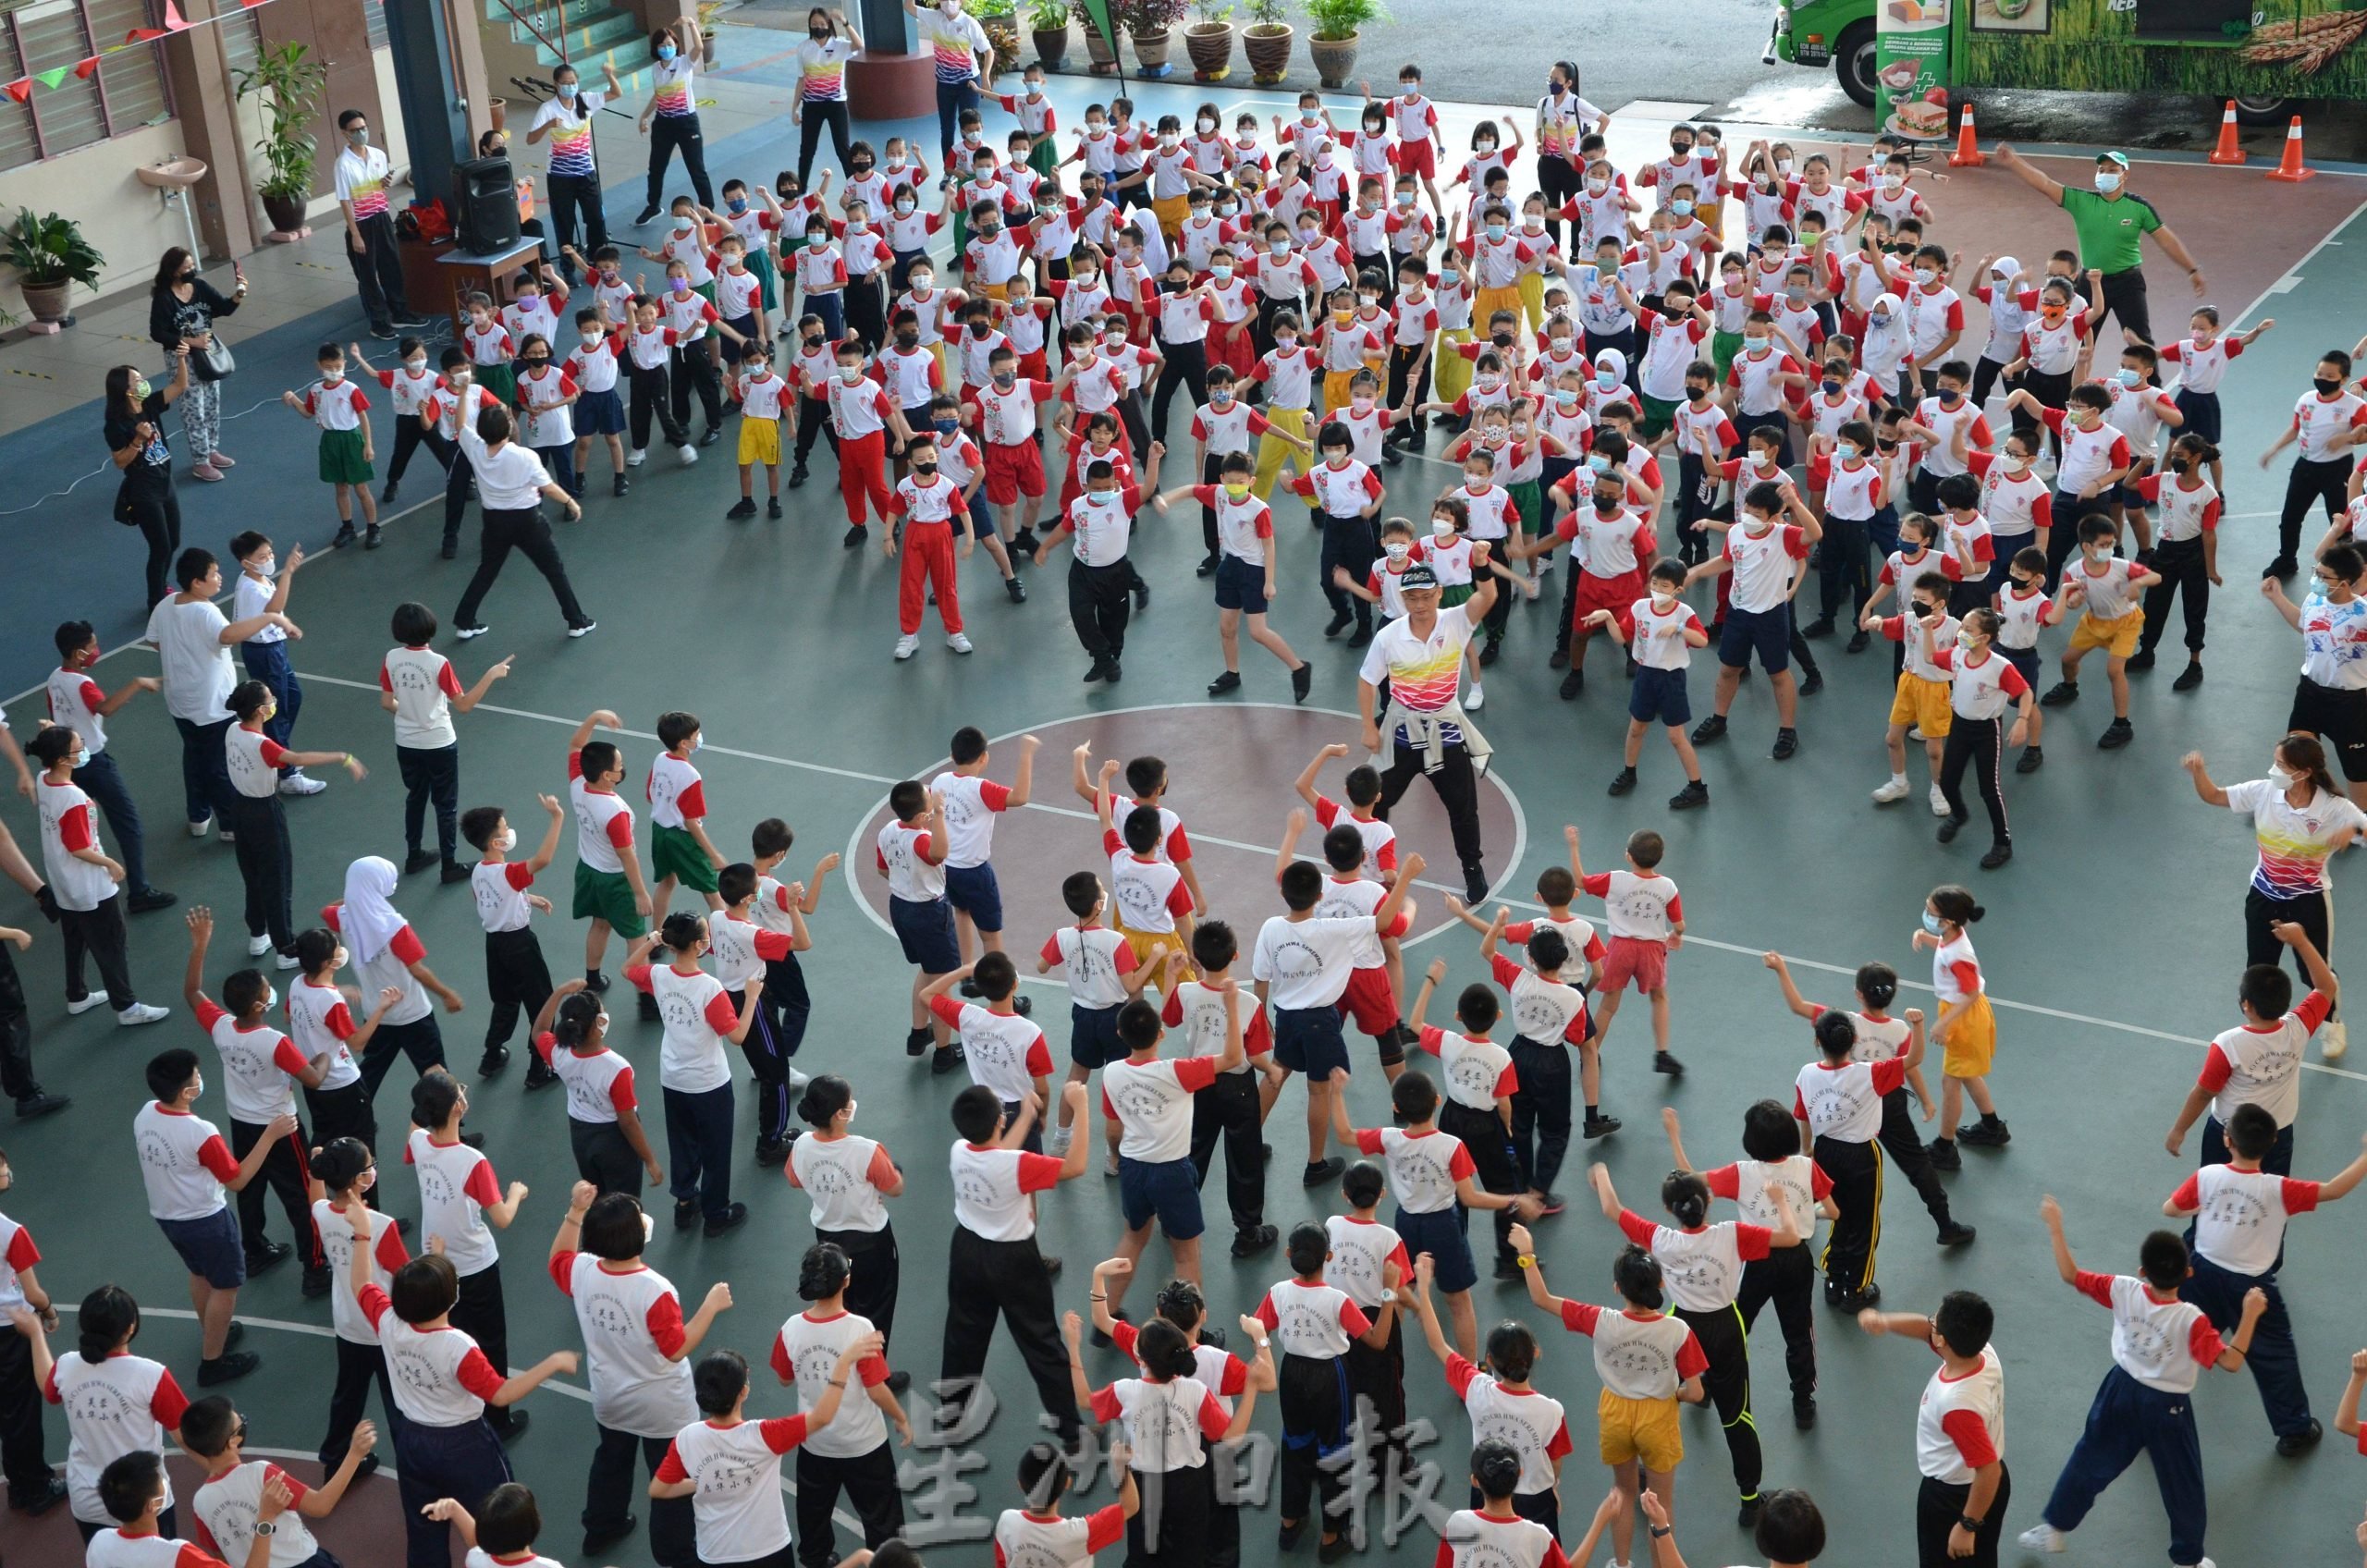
pixel 207 472
pixel 222 459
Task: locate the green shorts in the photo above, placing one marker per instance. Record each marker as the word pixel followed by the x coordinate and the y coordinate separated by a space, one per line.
pixel 673 852
pixel 1658 414
pixel 1723 346
pixel 606 895
pixel 341 459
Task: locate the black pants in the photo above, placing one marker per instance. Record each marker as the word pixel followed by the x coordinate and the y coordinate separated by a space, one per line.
pixel 1843 574
pixel 1938 1506
pixel 1348 542
pixel 463 1463
pixel 432 777
pixel 1905 1146
pixel 1979 743
pixel 1458 786
pixel 786 1005
pixel 669 134
pixel 2323 481
pixel 480 1312
pixel 98 933
pixel 1483 1133
pixel 952 97
pixel 692 369
pixel 2051 388
pixel 2180 563
pixel 1172 1529
pixel 2124 296
pixel 460 479
pixel 1985 374
pixel 879 1273
pixel 158 517
pixel 358 1366
pixel 516 981
pixel 411 432
pixel 573 195
pixel 100 778
pixel 344 1113
pixel 698 1148
pixel 266 867
pixel 1317 1408
pixel 812 118
pixel 1003 1280
pixel 23 1457
pixel 419 1040
pixel 650 398
pixel 1540 1112
pixel 16 1079
pixel 1857 1172
pixel 869 1482
pixel 1401 362
pixel 813 421
pixel 529 533
pixel 1228 1110
pixel 609 1490
pixel 1098 607
pixel 1784 1279
pixel 1186 366
pixel 769 1062
pixel 206 768
pixel 866 311
pixel 2312 912
pixel 1558 180
pixel 378 271
pixel 1727 1383
pixel 603 1157
pixel 283 1173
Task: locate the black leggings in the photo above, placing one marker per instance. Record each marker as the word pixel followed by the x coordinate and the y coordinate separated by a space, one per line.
pixel 525 532
pixel 2313 913
pixel 1186 366
pixel 575 195
pixel 1557 182
pixel 812 116
pixel 2180 563
pixel 952 97
pixel 1981 743
pixel 1727 1383
pixel 1784 1279
pixel 266 866
pixel 668 135
pixel 2312 479
pixel 158 518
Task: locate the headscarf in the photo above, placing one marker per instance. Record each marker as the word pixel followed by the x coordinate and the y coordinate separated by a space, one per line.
pixel 369 921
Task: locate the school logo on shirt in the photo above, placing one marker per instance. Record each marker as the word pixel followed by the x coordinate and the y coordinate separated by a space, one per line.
pixel 1483 1552
pixel 2149 1342
pixel 680 1012
pixel 411 680
pixel 97 1401
pixel 436 1187
pixel 1830 1103
pixel 606 1311
pixel 2235 1207
pixel 1536 1017
pixel 1294 959
pixel 1351 1265
pixel 1301 1323
pixel 1139 899
pixel 1502 1427
pixel 414 1371
pixel 1138 1100
pixel 156 1152
pixel 1640 1359
pixel 973 1188
pixel 831 1180
pixel 725 1473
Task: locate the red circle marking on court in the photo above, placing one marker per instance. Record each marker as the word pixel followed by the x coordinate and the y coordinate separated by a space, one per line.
pixel 1229 773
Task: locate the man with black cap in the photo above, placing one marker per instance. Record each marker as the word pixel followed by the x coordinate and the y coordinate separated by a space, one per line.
pixel 1420 655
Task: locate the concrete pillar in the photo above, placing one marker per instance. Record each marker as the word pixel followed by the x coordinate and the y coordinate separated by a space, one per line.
pixel 887 82
pixel 205 96
pixel 440 87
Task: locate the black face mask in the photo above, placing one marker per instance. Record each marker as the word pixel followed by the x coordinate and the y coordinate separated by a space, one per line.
pixel 862 165
pixel 787 193
pixel 1502 340
pixel 815 341
pixel 537 364
pixel 1606 503
pixel 1679 149
pixel 906 339
pixel 190 277
pixel 2327 386
pixel 924 470
pixel 1694 390
pixel 817 34
pixel 980 328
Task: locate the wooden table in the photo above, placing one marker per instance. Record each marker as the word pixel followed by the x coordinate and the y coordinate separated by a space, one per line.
pixel 458 273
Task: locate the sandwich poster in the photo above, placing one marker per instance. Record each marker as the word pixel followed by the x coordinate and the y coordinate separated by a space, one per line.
pixel 1911 67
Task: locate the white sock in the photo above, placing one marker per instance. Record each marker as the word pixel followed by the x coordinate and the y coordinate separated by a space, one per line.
pixel 1898 779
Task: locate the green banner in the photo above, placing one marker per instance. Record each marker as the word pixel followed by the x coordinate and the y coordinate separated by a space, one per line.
pixel 1911 67
pixel 1096 15
pixel 52 78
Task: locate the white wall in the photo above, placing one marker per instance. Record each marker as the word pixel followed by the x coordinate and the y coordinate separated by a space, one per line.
pixel 126 220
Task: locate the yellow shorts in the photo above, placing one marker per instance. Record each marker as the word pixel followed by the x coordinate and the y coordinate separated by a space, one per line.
pixel 1644 1430
pixel 1532 300
pixel 1488 301
pixel 760 441
pixel 1151 947
pixel 1172 211
pixel 1969 1044
pixel 1923 703
pixel 2116 638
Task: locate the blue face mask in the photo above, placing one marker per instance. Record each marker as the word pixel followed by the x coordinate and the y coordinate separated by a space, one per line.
pixel 665 53
pixel 948 426
pixel 2129 377
pixel 1931 922
pixel 736 204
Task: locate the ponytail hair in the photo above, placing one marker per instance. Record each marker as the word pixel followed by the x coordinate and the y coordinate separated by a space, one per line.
pixel 1163 1350
pixel 108 1320
pixel 1687 1197
pixel 2304 756
pixel 826 1095
pixel 2196 447
pixel 1836 1034
pixel 823 1273
pixel 578 1015
pixel 1877 985
pixel 1637 1276
pixel 1955 905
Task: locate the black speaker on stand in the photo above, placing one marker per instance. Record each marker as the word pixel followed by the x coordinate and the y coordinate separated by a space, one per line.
pixel 486 193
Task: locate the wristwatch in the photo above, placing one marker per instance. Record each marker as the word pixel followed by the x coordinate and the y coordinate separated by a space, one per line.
pixel 265 1528
pixel 1660 1530
pixel 1969 1523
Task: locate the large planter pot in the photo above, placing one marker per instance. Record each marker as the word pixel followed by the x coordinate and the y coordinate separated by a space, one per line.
pixel 286 212
pixel 500 109
pixel 1150 52
pixel 1335 59
pixel 1099 52
pixel 1210 46
pixel 1004 33
pixel 1269 49
pixel 46 302
pixel 1051 46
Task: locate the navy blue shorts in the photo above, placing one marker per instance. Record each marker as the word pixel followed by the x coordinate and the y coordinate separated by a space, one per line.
pixel 600 413
pixel 1307 1039
pixel 746 327
pixel 926 932
pixel 1034 1142
pixel 1658 696
pixel 2025 660
pixel 974 891
pixel 1767 633
pixel 1166 1188
pixel 210 1247
pixel 1440 1235
pixel 1093 1037
pixel 1241 586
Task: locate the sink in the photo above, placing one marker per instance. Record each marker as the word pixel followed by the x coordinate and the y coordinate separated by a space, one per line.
pixel 177 175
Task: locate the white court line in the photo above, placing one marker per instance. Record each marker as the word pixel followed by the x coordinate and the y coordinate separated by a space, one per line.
pixel 2292 275
pixel 1519 849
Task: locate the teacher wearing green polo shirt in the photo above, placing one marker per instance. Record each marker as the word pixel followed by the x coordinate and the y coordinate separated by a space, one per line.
pixel 2112 224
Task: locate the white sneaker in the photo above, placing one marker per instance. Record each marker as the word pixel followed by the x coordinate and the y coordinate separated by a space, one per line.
pixel 1939 802
pixel 1475 699
pixel 289 961
pixel 2334 1038
pixel 227 836
pixel 1915 733
pixel 637 457
pixel 301 784
pixel 958 643
pixel 797 1080
pixel 257 946
pixel 2041 1536
pixel 586 629
pixel 1056 1142
pixel 199 829
pixel 465 632
pixel 907 644
pixel 140 1012
pixel 1544 566
pixel 86 1004
pixel 688 453
pixel 1889 793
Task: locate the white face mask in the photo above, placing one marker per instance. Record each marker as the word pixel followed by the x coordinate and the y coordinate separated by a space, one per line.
pixel 270 996
pixel 416 367
pixel 2278 777
pixel 1442 528
pixel 590 339
pixel 200 1088
pixel 1965 643
pixel 1396 551
pixel 1597 187
pixel 331 378
pixel 923 282
pixel 852 1106
pixel 506 840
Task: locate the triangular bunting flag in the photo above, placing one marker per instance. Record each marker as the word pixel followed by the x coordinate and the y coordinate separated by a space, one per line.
pixel 143 35
pixel 51 79
pixel 88 68
pixel 21 90
pixel 174 21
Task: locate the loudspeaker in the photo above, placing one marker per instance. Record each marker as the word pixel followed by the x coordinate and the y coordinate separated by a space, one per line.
pixel 487 193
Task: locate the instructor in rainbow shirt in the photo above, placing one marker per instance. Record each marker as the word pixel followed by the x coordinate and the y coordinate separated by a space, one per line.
pixel 1420 656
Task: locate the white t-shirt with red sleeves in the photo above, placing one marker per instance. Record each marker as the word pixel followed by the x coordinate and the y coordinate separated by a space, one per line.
pixel 2088 455
pixel 1152 1104
pixel 1752 378
pixel 699 1016
pixel 69 823
pixel 1381 839
pixel 741 949
pixel 16 1253
pixel 1531 1422
pixel 598 1083
pixel 604 827
pixel 183 1162
pixel 1472 1539
pixel 1360 1251
pixel 1316 1321
pixel 74 701
pixel 1980 687
pixel 762 396
pixel 1097 960
pixel 971 802
pixel 257 1064
pixel 1955 970
pixel 2239 1215
pixel 902 853
pixel 252 759
pixel 674 793
pixel 1763 563
pixel 1423 1166
pixel 2111 594
pixel 594 369
pixel 423 684
pixel 230 1503
pixel 806 1352
pixel 937 501
pixel 440 1377
pixel 1645 908
pixel 859 409
pixel 1704 1267
pixel 2188 511
pixel 1656 637
pixel 842 1177
pixel 2201 366
pixel 456 1186
pixel 1168 1425
pixel 991 1187
pixel 2261 1063
pixel 1960 1425
pixel 2317 420
pixel 333 1228
pixel 2014 504
pixel 1028 1539
pixel 2160 1341
pixel 121 1404
pixel 1843 1102
pixel 112 1549
pixel 737 1512
pixel 1243 527
pixel 1199 1010
pixel 1609 545
pixel 334 406
pixel 499 890
pixel 1638 1355
pixel 409 393
pixel 1543 1012
pixel 1479 1072
pixel 1803 1182
pixel 1004 1051
pixel 631 1322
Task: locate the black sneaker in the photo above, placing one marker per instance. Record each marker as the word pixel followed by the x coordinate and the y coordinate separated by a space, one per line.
pixel 773 1155
pixel 453 871
pixel 797 477
pixel 449 549
pixel 1710 728
pixel 1814 683
pixel 34 1504
pixel 1950 826
pixel 38 1104
pixel 1111 673
pixel 1249 1244
pixel 386 499
pixel 345 535
pixel 419 860
pixel 2030 761
pixel 1571 684
pixel 1821 627
pixel 1624 781
pixel 1858 641
pixel 618 485
pixel 1663 1062
pixel 318 1282
pixel 1560 659
pixel 1695 794
pixel 1323 1171
pixel 1142 596
pixel 1804 1412
pixel 1023 1005
pixel 772 507
pixel 1747 1515
pixel 1989 1132
pixel 1954 1235
pixel 1228 681
pixel 1099 671
pixel 226 1366
pixel 600 1541
pixel 2293 1444
pixel 1998 855
pixel 1853 1302
pixel 151 898
pixel 744 507
pixel 916 1041
pixel 1601 1126
pixel 1475 882
pixel 1507 1270
pixel 2189 678
pixel 2283 566
pixel 372 538
pixel 539 1075
pixel 729 1220
pixel 1208 567
pixel 2059 694
pixel 408 318
pixel 1944 1156
pixel 686 1213
pixel 496 1057
pixel 1490 652
pixel 646 1008
pixel 267 1255
pixel 1301 682
pixel 947 1058
pixel 1363 636
pixel 2140 662
pixel 2117 735
pixel 1016 590
pixel 1786 742
pixel 855 536
pixel 595 981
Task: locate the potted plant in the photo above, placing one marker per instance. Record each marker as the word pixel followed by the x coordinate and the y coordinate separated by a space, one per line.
pixel 51 257
pixel 1334 43
pixel 1151 25
pixel 1000 19
pixel 1101 49
pixel 1047 25
pixel 1267 41
pixel 1209 40
pixel 289 83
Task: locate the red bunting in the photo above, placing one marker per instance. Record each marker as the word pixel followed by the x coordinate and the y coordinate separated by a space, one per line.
pixel 88 68
pixel 174 21
pixel 21 90
pixel 143 35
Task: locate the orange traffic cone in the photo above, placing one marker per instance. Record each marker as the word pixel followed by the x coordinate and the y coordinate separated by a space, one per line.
pixel 1968 152
pixel 2288 168
pixel 2226 152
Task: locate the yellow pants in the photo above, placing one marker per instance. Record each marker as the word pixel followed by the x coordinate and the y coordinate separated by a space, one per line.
pixel 1532 300
pixel 1172 211
pixel 1272 448
pixel 1450 372
pixel 1490 300
pixel 1335 389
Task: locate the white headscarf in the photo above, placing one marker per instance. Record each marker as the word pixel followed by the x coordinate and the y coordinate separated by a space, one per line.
pixel 369 921
pixel 1613 361
pixel 2006 267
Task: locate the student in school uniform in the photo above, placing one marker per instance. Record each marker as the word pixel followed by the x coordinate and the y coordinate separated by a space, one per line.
pixel 1480 1083
pixel 2161 1347
pixel 1234 1108
pixel 1959 1432
pixel 1002 1049
pixel 138 1501
pixel 845 1177
pixel 33 1488
pixel 745 950
pixel 75 701
pixel 419 688
pixel 341 412
pixel 593 365
pixel 1152 1101
pixel 971 801
pixel 1838 1102
pixel 604 1128
pixel 266 862
pixel 462 1203
pixel 502 1532
pixel 387 955
pixel 610 889
pixel 2259 1062
pixel 260 1069
pixel 694 1073
pixel 321 1022
pixel 909 858
pixel 1316 1326
pixel 186 1167
pixel 192 639
pixel 262 589
pixel 115 1402
pixel 638 1346
pixel 85 882
pixel 730 1466
pixel 516 980
pixel 782 908
pixel 344 1173
pixel 229 1502
pixel 850 1456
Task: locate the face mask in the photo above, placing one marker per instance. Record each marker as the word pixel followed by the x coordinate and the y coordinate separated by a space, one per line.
pixel 1894 183
pixel 1207 126
pixel 458 376
pixel 1598 463
pixel 2052 313
pixel 1597 187
pixel 1397 551
pixel 2279 777
pixel 1681 207
pixel 682 223
pixel 1606 505
pixel 1832 387
pixel 1662 600
pixel 1280 247
pixel 1220 397
pixel 736 204
pixel 817 34
pixel 1924 276
pixel 1680 151
pixel 1221 272
pixel 541 362
pixel 908 337
pixel 1695 391
pixel 331 378
pixel 1006 379
pixel 1966 643
pixel 1606 380
pixel 786 192
pixel 1310 117
pixel 850 373
pixel 1754 344
pixel 679 285
pixel 903 204
pixel 665 53
pixel 2107 182
pixel 1489 382
pixel 1565 397
pixel 1310 237
pixel 417 367
pixel 925 469
pixel 1285 344
pixel 358 135
pixel 1922 608
pixel 1236 491
pixel 1226 209
pixel 1115 339
pixel 923 282
pixel 1442 528
pixel 1931 922
pixel 566 91
pixel 2327 386
pixel 1449 278
pixel 1845 451
pixel 1484 145
pixel 506 840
